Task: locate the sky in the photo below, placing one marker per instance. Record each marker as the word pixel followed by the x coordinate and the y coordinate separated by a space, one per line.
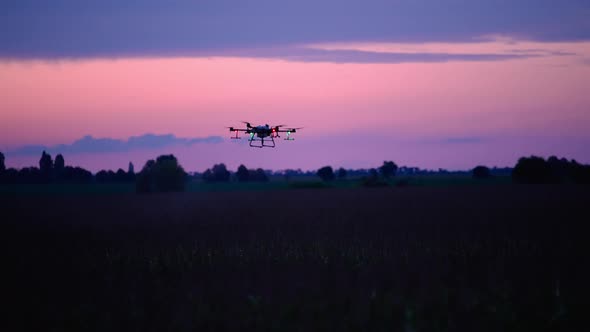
pixel 425 83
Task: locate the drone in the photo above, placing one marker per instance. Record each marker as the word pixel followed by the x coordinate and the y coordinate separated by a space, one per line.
pixel 259 133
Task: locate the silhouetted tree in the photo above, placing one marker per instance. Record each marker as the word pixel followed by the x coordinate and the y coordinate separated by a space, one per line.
pixel 289 173
pixel 218 173
pixel 481 172
pixel 144 180
pixel 121 176
pixel 163 175
pixel 130 175
pixel 580 173
pixel 2 166
pixel 76 175
pixel 561 169
pixel 30 175
pixel 326 173
pixel 532 170
pixel 60 162
pixel 46 167
pixel 388 169
pixel 59 166
pixel 242 174
pixel 208 176
pixel 258 175
pixel 102 176
pixel 168 174
pixel 10 176
pixel 341 173
pixel 372 180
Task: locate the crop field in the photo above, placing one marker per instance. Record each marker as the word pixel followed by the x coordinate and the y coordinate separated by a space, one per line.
pixel 415 258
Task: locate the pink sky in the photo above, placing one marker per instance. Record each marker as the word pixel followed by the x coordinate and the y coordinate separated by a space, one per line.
pixel 354 114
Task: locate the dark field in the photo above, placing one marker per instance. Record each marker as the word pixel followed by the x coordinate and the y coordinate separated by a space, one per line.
pixel 475 258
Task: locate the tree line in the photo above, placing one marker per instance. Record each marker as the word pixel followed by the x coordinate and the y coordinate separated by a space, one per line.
pixel 56 171
pixel 166 174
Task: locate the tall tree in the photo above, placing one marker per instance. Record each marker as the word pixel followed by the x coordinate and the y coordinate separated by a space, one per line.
pixel 131 172
pixel 46 166
pixel 59 166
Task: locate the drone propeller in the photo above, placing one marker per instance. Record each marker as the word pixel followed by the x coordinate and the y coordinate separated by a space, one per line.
pixel 247 123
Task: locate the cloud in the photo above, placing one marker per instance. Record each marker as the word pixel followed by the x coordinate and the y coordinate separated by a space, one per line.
pixel 89 144
pixel 463 140
pixel 450 141
pixel 310 54
pixel 109 28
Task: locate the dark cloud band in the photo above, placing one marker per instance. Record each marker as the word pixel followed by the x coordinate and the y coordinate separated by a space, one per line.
pixel 108 28
pixel 89 144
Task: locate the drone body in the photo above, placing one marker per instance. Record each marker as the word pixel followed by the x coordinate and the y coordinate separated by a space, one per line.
pixel 258 134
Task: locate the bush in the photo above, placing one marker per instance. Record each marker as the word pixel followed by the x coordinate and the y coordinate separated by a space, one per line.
pixel 341 173
pixel 531 170
pixel 481 172
pixel 373 180
pixel 553 170
pixel 258 175
pixel 326 173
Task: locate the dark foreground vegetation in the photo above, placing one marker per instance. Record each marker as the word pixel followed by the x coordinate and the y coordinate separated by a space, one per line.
pixel 464 258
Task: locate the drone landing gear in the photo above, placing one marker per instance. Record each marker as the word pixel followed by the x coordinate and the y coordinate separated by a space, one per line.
pixel 289 138
pixel 235 132
pixel 262 143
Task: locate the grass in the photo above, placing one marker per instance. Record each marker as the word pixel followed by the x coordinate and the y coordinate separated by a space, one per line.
pixel 67 189
pixel 420 258
pixel 276 183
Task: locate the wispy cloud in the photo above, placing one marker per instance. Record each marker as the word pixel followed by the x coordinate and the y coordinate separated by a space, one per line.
pixel 463 140
pixel 450 141
pixel 89 144
pixel 310 54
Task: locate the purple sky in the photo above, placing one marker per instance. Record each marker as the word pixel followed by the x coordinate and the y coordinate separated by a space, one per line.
pixel 425 83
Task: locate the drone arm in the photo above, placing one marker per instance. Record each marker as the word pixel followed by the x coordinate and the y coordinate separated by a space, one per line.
pixel 236 131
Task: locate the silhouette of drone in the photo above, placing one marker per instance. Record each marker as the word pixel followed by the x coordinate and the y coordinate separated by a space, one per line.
pixel 259 133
